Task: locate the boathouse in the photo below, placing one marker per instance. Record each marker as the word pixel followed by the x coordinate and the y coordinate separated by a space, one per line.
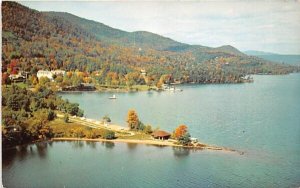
pixel 161 135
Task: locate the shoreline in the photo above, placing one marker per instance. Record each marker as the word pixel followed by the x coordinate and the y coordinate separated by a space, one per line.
pixel 119 89
pixel 117 128
pixel 150 142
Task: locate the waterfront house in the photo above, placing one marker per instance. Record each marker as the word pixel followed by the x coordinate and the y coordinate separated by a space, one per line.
pixel 161 135
pixel 17 77
pixel 49 74
pixel 43 73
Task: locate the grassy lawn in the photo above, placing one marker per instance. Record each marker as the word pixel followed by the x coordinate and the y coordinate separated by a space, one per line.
pixel 73 129
pixel 140 87
pixel 137 136
pixel 58 125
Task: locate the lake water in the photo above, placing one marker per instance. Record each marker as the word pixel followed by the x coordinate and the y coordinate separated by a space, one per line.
pixel 261 118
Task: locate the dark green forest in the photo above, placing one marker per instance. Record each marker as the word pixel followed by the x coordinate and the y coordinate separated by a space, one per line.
pixel 26 114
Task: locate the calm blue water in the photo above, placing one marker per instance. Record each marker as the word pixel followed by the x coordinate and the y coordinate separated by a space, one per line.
pixel 261 118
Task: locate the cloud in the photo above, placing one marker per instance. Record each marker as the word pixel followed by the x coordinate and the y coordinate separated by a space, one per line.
pixel 267 25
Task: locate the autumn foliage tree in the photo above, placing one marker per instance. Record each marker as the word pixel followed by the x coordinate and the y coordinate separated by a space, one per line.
pixel 5 79
pixel 180 131
pixel 133 120
pixel 182 135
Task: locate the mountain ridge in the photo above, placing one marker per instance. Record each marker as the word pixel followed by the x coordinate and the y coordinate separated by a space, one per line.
pixel 143 39
pixel 34 40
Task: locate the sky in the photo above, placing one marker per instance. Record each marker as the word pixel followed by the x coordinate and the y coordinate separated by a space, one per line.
pixel 270 26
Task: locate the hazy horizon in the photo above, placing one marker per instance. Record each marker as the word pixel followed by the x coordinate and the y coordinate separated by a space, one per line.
pixel 261 26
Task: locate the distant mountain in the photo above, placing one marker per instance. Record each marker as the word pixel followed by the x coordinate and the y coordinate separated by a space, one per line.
pixel 257 53
pixel 279 58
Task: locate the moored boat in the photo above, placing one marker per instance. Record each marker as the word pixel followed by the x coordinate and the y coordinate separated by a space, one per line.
pixel 113 97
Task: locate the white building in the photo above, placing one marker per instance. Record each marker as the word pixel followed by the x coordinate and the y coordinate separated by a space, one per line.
pixel 42 73
pixel 49 74
pixel 57 72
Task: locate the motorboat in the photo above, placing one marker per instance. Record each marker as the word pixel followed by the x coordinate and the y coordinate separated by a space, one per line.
pixel 113 97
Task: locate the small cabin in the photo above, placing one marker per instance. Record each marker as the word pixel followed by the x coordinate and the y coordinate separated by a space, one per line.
pixel 161 135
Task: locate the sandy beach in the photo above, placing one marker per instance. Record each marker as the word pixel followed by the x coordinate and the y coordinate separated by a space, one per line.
pixel 150 142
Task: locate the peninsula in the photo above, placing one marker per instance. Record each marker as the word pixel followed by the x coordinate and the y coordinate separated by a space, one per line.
pixel 122 134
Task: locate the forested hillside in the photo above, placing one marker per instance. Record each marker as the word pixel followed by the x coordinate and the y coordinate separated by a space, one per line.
pixel 35 40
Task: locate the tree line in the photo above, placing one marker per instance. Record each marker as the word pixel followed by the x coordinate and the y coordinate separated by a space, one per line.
pixel 26 114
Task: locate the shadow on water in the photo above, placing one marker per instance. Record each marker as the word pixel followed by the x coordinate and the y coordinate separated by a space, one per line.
pixel 42 149
pixel 91 144
pixel 50 143
pixel 8 157
pixel 20 153
pixel 132 146
pixel 108 145
pixel 157 146
pixel 150 93
pixel 77 144
pixel 181 152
